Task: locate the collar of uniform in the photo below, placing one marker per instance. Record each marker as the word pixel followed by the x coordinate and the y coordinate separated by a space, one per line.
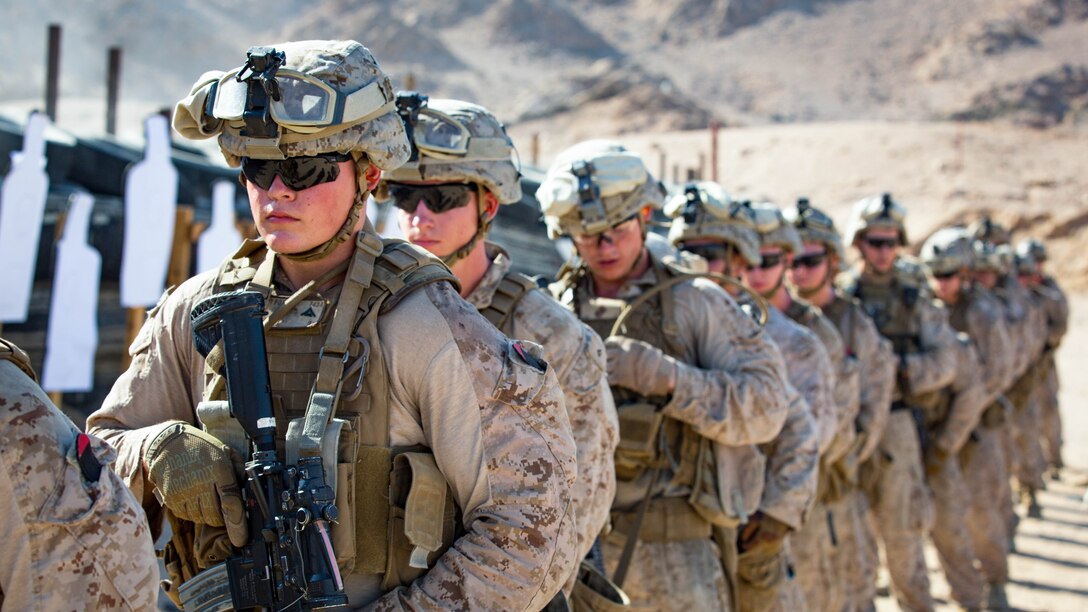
pixel 877 278
pixel 281 287
pixel 482 295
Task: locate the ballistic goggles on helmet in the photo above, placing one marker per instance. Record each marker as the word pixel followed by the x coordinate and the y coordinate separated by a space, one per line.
pixel 440 136
pixel 298 173
pixel 297 101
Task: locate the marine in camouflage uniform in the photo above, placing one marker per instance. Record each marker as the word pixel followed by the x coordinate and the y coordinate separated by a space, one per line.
pixel 722 234
pixel 696 381
pixel 816 545
pixel 1056 306
pixel 812 275
pixel 1027 328
pixel 74 537
pixel 923 343
pixel 448 407
pixel 475 184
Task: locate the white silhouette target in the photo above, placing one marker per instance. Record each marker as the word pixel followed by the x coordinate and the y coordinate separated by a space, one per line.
pixel 22 205
pixel 222 237
pixel 72 337
pixel 151 192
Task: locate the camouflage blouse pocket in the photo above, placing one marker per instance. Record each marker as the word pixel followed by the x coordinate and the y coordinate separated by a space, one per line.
pixel 93 537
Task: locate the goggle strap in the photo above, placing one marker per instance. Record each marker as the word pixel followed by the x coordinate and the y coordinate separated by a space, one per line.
pixel 291 135
pixel 479 149
pixel 366 102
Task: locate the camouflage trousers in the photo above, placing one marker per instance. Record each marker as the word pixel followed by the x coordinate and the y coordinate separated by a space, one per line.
pixel 851 565
pixel 814 549
pixel 1051 417
pixel 683 576
pixel 902 511
pixel 1027 439
pixel 950 535
pixel 987 480
pixel 766 581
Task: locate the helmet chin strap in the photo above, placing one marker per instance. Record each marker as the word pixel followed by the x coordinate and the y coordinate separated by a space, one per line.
pixel 483 225
pixel 347 229
pixel 773 290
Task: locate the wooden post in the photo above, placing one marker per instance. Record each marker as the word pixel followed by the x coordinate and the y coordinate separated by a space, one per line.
pixel 534 149
pixel 701 172
pixel 52 74
pixel 113 86
pixel 676 173
pixel 409 82
pixel 714 126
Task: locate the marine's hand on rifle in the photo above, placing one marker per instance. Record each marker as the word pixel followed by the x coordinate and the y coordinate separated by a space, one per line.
pixel 194 476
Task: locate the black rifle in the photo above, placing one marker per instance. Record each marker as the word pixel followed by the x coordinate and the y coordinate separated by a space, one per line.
pixel 288 563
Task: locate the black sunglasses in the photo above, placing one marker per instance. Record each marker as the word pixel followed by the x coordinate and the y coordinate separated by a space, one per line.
pixel 945 275
pixel 438 198
pixel 769 261
pixel 297 173
pixel 809 261
pixel 709 252
pixel 882 243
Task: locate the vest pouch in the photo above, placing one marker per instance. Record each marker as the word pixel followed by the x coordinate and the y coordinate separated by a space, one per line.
pixel 339 458
pixel 422 518
pixel 640 425
pixel 706 496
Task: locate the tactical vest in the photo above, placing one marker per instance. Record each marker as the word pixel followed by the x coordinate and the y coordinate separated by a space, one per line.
pixel 14 354
pixel 838 311
pixel 512 288
pixel 648 439
pixel 397 515
pixel 893 308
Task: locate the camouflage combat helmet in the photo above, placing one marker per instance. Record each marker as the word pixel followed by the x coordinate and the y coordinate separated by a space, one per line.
pixel 815 226
pixel 1024 264
pixel 774 230
pixel 1033 247
pixel 457 142
pixel 876 212
pixel 988 230
pixel 948 250
pixel 705 210
pixel 986 257
pixel 301 99
pixel 594 186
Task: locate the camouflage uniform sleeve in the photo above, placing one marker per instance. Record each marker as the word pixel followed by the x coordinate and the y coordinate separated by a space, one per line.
pixel 735 395
pixel 792 464
pixel 809 370
pixel 1058 312
pixel 876 363
pixel 497 426
pixel 968 399
pixel 162 384
pixel 934 366
pixel 66 538
pixel 576 354
pixel 989 331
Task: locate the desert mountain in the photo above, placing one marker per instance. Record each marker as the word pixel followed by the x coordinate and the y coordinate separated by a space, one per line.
pixel 620 65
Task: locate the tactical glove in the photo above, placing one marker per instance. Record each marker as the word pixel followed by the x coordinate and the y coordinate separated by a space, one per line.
pixel 194 476
pixel 761 530
pixel 636 365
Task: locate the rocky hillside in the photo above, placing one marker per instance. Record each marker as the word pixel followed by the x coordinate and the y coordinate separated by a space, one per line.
pixel 617 66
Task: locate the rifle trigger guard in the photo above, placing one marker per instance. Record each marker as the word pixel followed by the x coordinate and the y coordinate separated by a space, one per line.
pixel 358 364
